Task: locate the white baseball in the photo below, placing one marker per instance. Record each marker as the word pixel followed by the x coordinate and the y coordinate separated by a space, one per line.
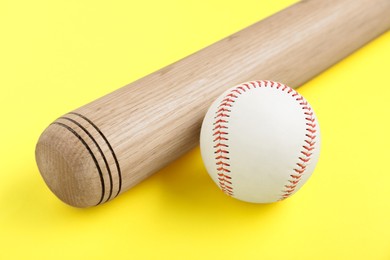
pixel 260 141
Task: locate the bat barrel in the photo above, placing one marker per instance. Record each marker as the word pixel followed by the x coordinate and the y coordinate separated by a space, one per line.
pixel 91 155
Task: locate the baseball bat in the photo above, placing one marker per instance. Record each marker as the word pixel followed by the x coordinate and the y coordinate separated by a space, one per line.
pixel 98 151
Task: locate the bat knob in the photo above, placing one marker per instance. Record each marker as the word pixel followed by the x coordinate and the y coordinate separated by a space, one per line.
pixel 69 164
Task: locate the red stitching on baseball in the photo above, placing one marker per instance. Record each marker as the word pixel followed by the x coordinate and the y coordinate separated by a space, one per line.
pixel 220 121
pixel 222 163
pixel 296 176
pixel 226 104
pixel 311 137
pixel 220 140
pixel 232 95
pixel 310 142
pixel 307 150
pixel 304 159
pixel 221 151
pixel 222 114
pixel 223 110
pixel 241 88
pixel 306 153
pixel 300 171
pixel 222 157
pixel 219 127
pixel 220 133
pixel 228 99
pixel 223 169
pixel 220 144
pixel 225 176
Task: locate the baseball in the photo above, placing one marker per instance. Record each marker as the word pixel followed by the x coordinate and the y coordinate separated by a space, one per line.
pixel 260 141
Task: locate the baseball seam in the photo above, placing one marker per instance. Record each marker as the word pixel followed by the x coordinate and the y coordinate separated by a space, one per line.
pixel 306 149
pixel 221 136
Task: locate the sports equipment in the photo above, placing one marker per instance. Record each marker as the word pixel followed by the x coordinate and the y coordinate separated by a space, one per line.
pixel 260 141
pixel 104 148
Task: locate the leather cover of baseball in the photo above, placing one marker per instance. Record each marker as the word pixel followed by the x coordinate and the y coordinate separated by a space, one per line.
pixel 260 141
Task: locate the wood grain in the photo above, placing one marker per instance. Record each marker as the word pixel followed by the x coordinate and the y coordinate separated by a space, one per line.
pixel 104 148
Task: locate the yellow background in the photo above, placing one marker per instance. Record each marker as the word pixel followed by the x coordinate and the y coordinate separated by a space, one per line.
pixel 57 55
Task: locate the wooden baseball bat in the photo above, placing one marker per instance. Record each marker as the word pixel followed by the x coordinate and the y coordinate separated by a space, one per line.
pixel 104 148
